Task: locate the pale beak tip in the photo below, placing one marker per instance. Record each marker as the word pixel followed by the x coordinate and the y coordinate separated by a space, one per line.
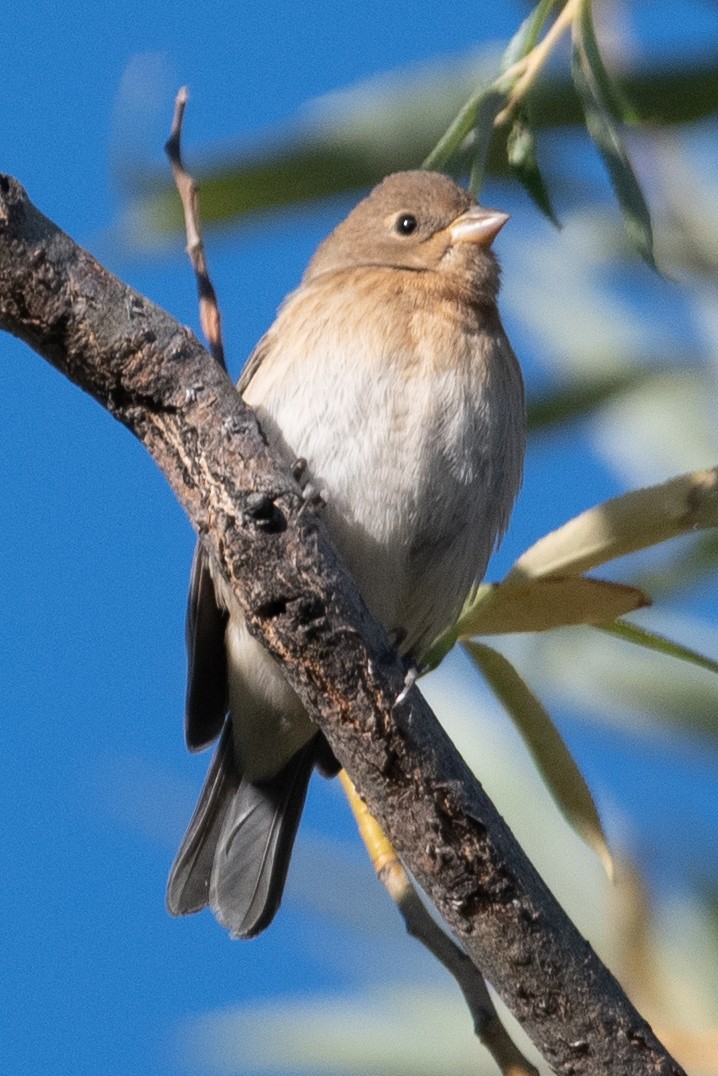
pixel 477 225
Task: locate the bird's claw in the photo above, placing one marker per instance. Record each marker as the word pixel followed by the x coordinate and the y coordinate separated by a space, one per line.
pixel 299 470
pixel 410 677
pixel 311 496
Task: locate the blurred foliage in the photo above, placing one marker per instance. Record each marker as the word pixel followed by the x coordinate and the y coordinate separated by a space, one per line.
pixel 352 139
pixel 632 367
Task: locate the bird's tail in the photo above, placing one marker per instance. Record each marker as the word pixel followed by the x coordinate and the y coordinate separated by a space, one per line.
pixel 236 852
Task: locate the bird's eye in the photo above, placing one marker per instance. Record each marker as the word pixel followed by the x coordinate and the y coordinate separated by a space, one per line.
pixel 405 224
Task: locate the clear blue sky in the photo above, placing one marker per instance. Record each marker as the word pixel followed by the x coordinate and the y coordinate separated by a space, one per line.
pixel 95 787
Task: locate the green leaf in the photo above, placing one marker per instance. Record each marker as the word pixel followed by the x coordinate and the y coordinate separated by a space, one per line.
pixel 481 110
pixel 453 138
pixel 521 150
pixel 387 124
pixel 680 94
pixel 553 759
pixel 574 400
pixel 604 132
pixel 489 108
pixel 527 34
pixel 652 641
pixel 478 115
pixel 438 650
pixel 611 93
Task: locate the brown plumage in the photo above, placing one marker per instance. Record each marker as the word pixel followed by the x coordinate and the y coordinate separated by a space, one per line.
pixel 389 372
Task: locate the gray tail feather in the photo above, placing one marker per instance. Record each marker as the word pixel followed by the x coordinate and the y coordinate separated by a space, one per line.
pixel 236 852
pixel 188 885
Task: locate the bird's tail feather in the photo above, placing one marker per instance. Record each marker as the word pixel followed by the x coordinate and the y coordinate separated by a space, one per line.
pixel 236 852
pixel 188 884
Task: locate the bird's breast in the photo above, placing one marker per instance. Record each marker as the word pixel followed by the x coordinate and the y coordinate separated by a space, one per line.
pixel 398 408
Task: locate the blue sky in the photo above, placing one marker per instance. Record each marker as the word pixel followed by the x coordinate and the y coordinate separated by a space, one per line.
pixel 95 786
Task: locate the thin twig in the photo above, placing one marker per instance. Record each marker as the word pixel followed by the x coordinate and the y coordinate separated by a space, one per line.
pixel 422 926
pixel 210 318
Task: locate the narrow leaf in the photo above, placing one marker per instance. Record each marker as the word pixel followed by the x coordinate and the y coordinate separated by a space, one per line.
pixel 382 126
pixel 521 150
pixel 634 521
pixel 451 141
pixel 578 399
pixel 652 641
pixel 611 93
pixel 489 108
pixel 438 650
pixel 479 113
pixel 554 761
pixel 604 132
pixel 687 568
pixel 527 34
pixel 543 604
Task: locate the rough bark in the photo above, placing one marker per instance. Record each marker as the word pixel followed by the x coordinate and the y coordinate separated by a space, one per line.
pixel 152 375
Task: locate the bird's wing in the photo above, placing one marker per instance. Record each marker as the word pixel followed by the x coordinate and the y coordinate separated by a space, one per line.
pixel 207 692
pixel 254 362
pixel 207 699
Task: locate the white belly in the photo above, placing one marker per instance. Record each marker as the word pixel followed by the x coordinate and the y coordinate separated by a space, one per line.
pixel 420 463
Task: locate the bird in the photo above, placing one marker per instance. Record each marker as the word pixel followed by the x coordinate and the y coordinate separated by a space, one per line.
pixel 388 373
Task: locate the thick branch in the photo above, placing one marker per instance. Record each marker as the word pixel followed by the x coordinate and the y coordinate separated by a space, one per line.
pixel 153 376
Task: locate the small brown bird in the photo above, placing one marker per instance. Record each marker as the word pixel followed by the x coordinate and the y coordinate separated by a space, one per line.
pixel 389 372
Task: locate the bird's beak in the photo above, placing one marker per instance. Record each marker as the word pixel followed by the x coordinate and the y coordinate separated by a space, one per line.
pixel 478 225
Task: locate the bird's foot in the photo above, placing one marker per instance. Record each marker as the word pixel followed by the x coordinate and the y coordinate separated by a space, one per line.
pixel 311 495
pixel 299 470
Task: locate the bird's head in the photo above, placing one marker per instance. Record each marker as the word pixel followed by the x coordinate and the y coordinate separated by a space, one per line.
pixel 420 221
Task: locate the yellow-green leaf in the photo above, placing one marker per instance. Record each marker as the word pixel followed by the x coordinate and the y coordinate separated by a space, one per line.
pixel 633 521
pixel 542 604
pixel 553 759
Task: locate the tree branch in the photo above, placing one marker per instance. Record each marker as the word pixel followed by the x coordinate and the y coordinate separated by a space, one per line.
pixel 153 376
